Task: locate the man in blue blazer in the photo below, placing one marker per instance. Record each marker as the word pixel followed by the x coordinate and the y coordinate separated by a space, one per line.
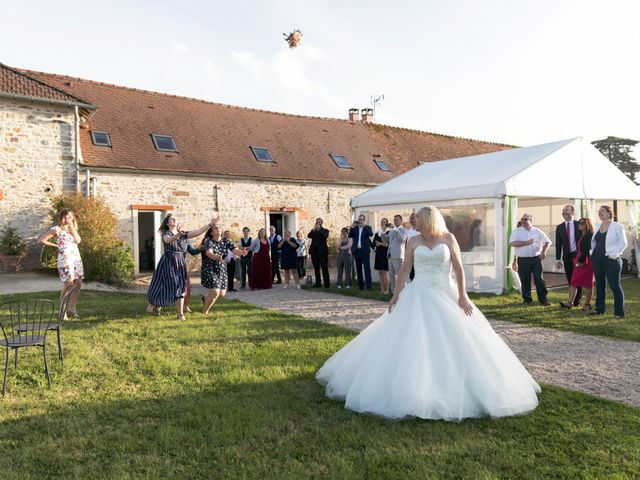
pixel 361 249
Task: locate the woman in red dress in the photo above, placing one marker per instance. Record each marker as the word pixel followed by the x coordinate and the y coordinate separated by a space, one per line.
pixel 582 275
pixel 261 266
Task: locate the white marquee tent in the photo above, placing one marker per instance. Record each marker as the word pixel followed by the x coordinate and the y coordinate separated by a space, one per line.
pixel 491 188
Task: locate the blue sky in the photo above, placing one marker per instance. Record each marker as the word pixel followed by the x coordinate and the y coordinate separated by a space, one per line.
pixel 512 71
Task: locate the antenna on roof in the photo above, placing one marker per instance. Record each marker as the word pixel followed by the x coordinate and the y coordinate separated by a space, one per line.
pixel 375 100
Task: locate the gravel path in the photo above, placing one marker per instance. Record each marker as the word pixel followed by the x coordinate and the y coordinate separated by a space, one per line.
pixel 598 366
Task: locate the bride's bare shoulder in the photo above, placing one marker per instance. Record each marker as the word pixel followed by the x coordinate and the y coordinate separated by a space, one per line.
pixel 448 238
pixel 414 241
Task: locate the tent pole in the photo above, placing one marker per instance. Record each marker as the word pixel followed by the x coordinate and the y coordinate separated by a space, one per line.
pixel 507 225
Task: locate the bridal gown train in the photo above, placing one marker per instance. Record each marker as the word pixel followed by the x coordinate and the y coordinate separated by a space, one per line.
pixel 428 359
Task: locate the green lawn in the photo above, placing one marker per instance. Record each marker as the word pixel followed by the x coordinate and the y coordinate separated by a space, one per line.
pixel 510 308
pixel 234 396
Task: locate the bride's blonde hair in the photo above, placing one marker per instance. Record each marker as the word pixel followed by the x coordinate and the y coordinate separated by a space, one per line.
pixel 432 222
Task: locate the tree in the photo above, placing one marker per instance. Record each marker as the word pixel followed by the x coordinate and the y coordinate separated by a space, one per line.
pixel 618 151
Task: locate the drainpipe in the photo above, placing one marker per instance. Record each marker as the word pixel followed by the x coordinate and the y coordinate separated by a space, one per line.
pixel 77 147
pixel 88 183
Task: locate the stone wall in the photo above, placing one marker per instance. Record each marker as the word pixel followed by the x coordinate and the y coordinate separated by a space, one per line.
pixel 239 202
pixel 37 161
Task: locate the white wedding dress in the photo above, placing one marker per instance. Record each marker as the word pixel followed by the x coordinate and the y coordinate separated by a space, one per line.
pixel 428 359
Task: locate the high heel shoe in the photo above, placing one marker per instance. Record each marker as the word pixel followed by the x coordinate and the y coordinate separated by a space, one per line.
pixel 586 307
pixel 181 318
pixel 566 305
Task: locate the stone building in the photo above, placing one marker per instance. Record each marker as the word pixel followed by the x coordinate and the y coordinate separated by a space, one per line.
pixel 148 153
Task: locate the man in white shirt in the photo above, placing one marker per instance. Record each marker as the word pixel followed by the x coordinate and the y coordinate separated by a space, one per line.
pixel 412 232
pixel 397 239
pixel 530 244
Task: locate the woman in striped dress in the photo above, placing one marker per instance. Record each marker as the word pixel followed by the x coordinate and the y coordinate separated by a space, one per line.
pixel 169 282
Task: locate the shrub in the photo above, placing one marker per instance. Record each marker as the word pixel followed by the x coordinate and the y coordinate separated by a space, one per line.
pixel 106 258
pixel 10 242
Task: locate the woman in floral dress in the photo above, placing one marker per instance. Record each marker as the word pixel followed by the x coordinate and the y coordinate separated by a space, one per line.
pixel 213 275
pixel 70 265
pixel 169 282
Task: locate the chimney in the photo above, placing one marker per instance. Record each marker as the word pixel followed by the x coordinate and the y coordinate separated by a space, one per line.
pixel 354 115
pixel 367 115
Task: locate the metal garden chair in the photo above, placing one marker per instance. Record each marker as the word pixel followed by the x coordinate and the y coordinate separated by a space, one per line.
pixel 24 323
pixel 61 317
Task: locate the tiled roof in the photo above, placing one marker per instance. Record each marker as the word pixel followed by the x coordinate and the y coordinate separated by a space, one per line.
pixel 406 149
pixel 19 84
pixel 215 139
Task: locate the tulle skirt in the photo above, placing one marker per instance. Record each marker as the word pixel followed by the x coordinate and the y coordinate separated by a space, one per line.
pixel 428 359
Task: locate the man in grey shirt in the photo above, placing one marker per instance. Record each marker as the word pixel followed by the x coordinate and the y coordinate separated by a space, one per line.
pixel 397 239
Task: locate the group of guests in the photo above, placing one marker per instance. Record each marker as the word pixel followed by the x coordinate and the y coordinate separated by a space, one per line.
pixel 587 253
pixel 388 242
pixel 260 260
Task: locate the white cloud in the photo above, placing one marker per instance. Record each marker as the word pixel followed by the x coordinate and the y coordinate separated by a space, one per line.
pixel 179 48
pixel 249 62
pixel 213 73
pixel 288 78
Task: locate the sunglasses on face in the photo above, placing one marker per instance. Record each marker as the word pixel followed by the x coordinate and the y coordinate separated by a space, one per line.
pixel 582 223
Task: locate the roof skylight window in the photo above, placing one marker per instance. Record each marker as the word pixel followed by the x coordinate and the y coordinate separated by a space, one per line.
pixel 382 165
pixel 164 143
pixel 341 161
pixel 100 139
pixel 262 154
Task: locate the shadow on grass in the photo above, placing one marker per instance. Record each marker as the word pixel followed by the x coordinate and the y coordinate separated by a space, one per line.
pixel 288 428
pixel 206 399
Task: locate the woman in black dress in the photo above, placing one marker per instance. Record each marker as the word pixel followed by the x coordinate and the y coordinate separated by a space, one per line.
pixel 289 262
pixel 169 282
pixel 381 262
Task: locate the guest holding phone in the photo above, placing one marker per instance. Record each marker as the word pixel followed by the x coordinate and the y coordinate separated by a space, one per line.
pixel 319 251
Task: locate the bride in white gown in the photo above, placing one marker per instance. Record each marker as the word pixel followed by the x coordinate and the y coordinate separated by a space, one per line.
pixel 433 354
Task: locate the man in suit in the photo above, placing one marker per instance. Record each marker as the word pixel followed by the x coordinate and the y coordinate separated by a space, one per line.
pixel 276 253
pixel 566 241
pixel 397 239
pixel 246 262
pixel 361 249
pixel 319 252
